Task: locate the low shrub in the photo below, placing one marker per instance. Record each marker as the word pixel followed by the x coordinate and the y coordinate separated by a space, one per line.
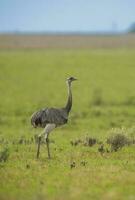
pixel 118 138
pixel 4 154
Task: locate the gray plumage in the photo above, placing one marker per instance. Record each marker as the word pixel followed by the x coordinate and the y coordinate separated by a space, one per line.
pixel 49 118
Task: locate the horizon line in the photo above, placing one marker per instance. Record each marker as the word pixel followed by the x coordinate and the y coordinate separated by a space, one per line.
pixel 17 32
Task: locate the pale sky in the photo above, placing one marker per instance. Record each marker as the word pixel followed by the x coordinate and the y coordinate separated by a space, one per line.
pixel 66 15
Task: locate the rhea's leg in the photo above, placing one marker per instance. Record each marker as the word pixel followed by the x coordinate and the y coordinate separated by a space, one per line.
pixel 38 149
pixel 47 144
pixel 48 129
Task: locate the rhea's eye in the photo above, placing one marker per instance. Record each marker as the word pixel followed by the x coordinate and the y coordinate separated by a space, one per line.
pixel 71 78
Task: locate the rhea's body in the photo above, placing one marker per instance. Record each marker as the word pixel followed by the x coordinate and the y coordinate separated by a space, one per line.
pixel 50 118
pixel 41 118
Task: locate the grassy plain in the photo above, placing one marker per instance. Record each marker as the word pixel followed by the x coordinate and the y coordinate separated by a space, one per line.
pixel 103 98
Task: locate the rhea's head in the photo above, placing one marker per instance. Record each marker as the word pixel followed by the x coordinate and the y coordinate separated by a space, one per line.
pixel 70 79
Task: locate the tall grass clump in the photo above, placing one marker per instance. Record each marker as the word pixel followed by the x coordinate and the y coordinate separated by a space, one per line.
pixel 118 138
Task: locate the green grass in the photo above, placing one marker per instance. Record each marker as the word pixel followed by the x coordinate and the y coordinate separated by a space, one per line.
pixel 103 98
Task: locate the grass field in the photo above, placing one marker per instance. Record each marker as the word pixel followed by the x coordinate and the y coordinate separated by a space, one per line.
pixel 103 98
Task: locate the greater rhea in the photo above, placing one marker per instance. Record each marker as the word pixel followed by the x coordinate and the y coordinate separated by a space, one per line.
pixel 50 118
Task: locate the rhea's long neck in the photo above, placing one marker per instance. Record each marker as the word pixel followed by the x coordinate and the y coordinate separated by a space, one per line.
pixel 69 101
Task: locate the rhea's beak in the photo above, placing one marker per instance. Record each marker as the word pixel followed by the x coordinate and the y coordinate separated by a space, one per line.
pixel 75 79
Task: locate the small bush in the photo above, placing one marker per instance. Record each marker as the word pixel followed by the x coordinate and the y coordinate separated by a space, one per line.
pixel 4 154
pixel 90 141
pixel 87 141
pixel 75 142
pixel 118 139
